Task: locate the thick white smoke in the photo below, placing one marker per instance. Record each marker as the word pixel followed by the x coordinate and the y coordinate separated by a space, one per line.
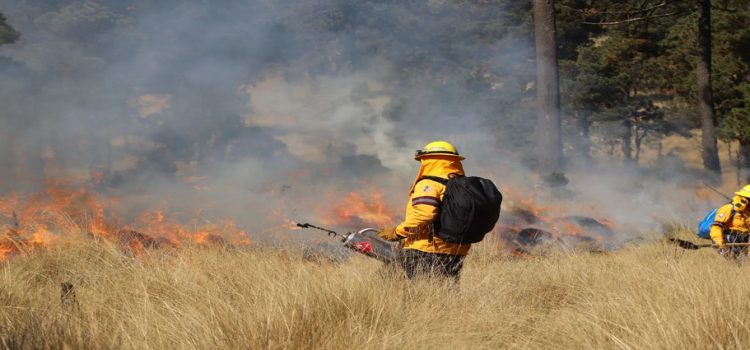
pixel 218 106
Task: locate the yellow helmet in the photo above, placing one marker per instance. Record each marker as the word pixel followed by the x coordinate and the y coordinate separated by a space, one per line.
pixel 744 192
pixel 437 148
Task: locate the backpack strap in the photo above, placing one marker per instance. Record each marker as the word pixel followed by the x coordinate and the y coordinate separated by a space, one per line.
pixel 441 180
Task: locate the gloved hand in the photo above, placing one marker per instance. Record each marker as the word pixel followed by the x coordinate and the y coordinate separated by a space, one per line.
pixel 389 234
pixel 723 250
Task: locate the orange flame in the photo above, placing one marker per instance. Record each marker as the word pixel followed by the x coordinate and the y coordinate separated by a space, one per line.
pixel 37 220
pixel 357 209
pixel 559 218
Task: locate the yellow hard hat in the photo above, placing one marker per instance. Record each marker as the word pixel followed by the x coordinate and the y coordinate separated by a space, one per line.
pixel 437 148
pixel 744 192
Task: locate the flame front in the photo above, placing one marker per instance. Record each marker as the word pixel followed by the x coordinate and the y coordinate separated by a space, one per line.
pixel 36 220
pixel 357 209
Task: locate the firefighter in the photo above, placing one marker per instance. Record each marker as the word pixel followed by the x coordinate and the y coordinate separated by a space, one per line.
pixel 731 224
pixel 423 252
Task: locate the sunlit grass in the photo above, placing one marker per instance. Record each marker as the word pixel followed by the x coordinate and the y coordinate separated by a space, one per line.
pixel 648 297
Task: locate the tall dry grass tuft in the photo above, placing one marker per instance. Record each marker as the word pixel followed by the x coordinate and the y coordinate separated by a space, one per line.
pixel 648 297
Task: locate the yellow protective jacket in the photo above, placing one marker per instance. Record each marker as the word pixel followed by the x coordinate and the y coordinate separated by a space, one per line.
pixel 421 210
pixel 728 219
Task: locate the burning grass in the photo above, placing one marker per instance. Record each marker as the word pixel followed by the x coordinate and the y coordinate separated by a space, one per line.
pixel 27 222
pixel 650 296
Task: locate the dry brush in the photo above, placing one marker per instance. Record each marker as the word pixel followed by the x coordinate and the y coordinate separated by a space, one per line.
pixel 643 297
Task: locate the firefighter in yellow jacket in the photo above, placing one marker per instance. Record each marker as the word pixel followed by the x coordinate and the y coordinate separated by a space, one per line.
pixel 423 252
pixel 731 224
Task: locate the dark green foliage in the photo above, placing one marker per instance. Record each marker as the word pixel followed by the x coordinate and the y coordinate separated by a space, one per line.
pixel 732 67
pixel 638 70
pixel 7 33
pixel 611 84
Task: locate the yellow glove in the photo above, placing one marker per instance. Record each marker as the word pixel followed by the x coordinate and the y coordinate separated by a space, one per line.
pixel 389 234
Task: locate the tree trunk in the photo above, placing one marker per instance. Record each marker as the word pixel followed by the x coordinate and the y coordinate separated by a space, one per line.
pixel 549 129
pixel 743 160
pixel 627 139
pixel 660 150
pixel 639 136
pixel 710 151
pixel 583 144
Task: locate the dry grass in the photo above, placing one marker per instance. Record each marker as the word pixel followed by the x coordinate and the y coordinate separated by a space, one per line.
pixel 647 297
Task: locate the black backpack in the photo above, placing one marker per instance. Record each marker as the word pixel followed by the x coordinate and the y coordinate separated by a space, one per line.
pixel 470 209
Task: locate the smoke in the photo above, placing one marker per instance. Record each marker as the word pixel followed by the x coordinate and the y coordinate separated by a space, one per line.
pixel 260 109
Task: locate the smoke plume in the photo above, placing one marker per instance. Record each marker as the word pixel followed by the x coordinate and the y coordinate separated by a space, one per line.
pixel 263 111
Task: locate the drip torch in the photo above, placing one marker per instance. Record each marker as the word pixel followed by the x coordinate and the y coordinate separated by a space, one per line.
pixel 364 241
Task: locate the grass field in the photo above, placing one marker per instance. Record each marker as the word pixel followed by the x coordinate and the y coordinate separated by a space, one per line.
pixel 653 296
